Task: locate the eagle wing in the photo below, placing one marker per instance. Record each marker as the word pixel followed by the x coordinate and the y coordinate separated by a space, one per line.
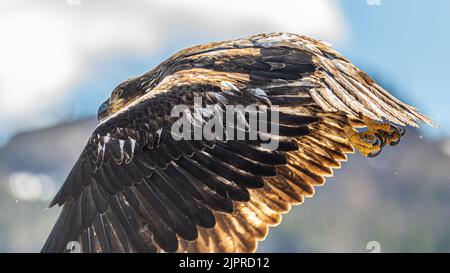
pixel 135 189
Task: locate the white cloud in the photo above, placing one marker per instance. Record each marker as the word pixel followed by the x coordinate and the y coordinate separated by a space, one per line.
pixel 48 45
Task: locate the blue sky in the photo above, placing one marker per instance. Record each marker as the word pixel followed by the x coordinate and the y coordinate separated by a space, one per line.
pixel 404 44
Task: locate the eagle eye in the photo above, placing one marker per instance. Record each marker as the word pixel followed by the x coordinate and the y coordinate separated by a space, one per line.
pixel 118 92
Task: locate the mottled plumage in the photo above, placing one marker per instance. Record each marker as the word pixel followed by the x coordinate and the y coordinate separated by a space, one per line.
pixel 135 189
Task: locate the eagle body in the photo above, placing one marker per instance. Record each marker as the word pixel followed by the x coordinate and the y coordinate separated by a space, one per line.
pixel 135 188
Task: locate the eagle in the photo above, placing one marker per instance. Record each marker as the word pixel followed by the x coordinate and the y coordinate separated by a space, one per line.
pixel 136 187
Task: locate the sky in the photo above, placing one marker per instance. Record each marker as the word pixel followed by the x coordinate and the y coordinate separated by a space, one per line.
pixel 404 44
pixel 61 59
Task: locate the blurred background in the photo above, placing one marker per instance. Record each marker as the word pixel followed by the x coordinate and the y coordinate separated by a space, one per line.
pixel 59 59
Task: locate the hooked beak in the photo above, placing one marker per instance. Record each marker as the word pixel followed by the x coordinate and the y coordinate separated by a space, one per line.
pixel 108 108
pixel 103 111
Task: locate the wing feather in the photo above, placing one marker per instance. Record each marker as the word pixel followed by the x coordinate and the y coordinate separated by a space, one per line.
pixel 136 189
pixel 279 194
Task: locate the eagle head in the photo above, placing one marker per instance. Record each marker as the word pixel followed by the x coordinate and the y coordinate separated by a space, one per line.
pixel 127 92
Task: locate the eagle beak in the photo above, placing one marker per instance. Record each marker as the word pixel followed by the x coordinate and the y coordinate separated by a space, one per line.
pixel 109 107
pixel 103 111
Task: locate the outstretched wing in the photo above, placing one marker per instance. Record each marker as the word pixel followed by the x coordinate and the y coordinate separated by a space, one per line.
pixel 134 188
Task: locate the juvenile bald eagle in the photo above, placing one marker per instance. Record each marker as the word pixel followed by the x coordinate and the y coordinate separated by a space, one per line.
pixel 135 188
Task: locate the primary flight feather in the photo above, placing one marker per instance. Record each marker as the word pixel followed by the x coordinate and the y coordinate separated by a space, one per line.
pixel 135 188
